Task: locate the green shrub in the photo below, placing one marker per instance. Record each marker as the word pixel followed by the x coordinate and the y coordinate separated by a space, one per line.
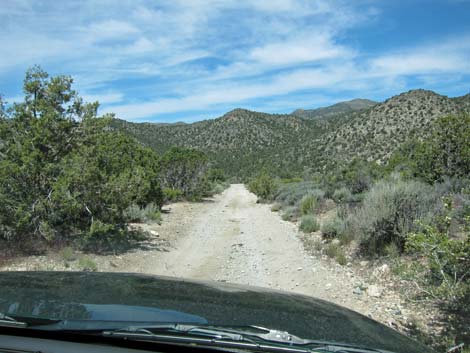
pixel 216 175
pixel 276 207
pixel 87 264
pixel 185 169
pixel 263 186
pixel 289 213
pixel 135 213
pixel 172 195
pixel 152 213
pixel 346 237
pixel 341 259
pixel 218 188
pixel 389 212
pixel 309 224
pixel 307 204
pixel 334 251
pixel 392 250
pixel 317 245
pixel 333 227
pixel 444 153
pixel 67 254
pixel 448 261
pixel 291 194
pixel 443 273
pixel 342 195
pixel 290 180
pixel 64 172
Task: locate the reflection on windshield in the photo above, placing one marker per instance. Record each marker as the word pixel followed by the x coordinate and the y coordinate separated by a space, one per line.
pixel 106 312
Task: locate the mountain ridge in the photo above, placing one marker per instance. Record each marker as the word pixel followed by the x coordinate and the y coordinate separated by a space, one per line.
pixel 340 107
pixel 243 142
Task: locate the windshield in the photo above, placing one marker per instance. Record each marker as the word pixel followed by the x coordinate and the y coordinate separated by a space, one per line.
pixel 314 148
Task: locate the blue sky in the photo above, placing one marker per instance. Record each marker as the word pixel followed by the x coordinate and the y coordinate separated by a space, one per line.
pixel 187 60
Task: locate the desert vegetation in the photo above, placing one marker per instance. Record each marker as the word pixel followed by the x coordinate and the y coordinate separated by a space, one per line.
pixel 412 212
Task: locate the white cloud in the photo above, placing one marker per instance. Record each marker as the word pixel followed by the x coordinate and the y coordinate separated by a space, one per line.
pixel 104 98
pixel 110 29
pixel 452 56
pixel 233 93
pixel 307 49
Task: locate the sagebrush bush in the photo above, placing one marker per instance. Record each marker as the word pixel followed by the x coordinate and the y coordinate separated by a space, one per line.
pixel 333 228
pixel 152 213
pixel 289 213
pixel 276 207
pixel 389 212
pixel 292 193
pixel 134 213
pixel 342 195
pixel 309 224
pixel 87 264
pixel 218 188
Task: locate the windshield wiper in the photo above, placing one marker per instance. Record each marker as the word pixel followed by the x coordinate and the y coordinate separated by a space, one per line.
pixel 249 337
pixel 202 335
pixel 23 322
pixel 7 321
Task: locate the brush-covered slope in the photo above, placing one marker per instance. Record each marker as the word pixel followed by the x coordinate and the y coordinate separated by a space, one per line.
pixel 244 142
pixel 375 133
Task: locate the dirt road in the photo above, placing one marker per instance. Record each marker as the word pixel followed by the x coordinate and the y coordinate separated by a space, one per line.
pixel 232 238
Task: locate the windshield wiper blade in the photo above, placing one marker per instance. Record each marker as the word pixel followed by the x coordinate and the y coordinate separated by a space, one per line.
pixel 7 321
pixel 205 336
pixel 196 330
pixel 254 337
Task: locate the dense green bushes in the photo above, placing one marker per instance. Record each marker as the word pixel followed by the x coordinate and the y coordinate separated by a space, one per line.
pixel 442 270
pixel 445 153
pixel 185 170
pixel 66 175
pixel 263 186
pixel 389 212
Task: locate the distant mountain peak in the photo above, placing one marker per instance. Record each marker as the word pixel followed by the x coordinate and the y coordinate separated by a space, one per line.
pixel 237 111
pixel 338 108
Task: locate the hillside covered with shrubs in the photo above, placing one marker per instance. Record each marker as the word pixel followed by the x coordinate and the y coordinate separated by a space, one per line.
pixel 244 142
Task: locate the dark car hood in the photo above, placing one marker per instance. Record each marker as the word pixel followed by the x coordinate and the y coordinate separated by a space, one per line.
pixel 137 297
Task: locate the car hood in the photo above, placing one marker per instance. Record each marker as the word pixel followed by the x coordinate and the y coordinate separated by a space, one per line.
pixel 137 297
